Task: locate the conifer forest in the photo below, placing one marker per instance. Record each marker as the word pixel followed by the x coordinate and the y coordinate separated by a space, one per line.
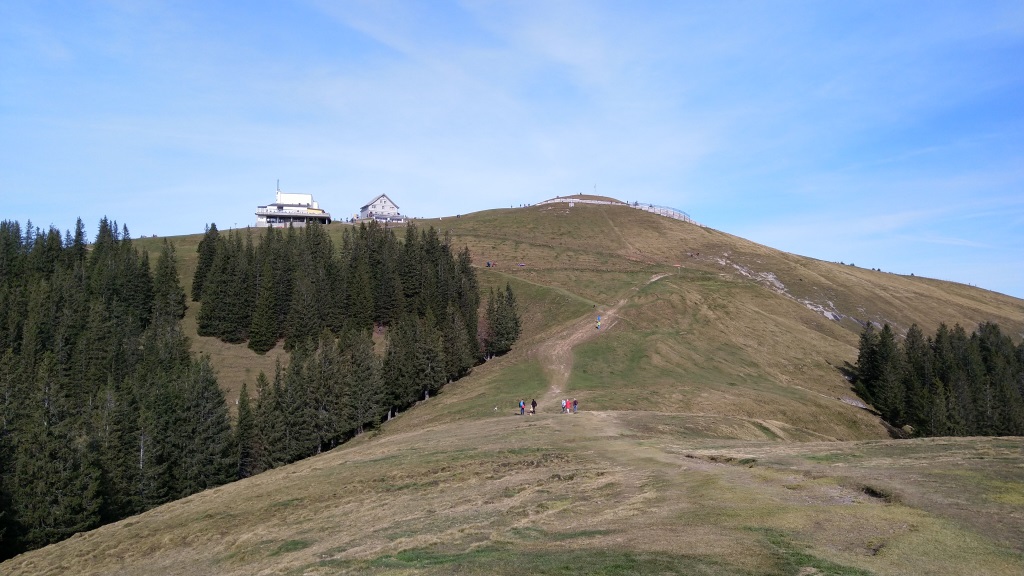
pixel 105 412
pixel 949 384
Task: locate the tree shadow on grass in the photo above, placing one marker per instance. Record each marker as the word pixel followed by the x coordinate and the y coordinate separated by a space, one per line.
pixel 849 372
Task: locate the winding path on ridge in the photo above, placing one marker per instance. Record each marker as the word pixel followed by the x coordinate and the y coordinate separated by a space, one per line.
pixel 556 358
pixel 556 355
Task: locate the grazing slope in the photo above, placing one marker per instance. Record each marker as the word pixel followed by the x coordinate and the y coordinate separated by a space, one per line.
pixel 717 432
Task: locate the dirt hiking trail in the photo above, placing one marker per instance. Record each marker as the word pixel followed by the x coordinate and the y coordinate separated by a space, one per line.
pixel 555 353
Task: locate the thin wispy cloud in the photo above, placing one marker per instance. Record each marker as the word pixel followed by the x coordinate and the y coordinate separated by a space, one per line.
pixel 872 131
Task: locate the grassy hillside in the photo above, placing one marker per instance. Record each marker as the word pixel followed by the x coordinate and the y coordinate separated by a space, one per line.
pixel 717 435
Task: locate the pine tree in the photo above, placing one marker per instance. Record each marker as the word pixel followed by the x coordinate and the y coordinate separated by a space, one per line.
pixel 204 263
pixel 236 289
pixel 158 442
pixel 362 381
pixel 283 256
pixel 388 296
pixel 468 296
pixel 1020 368
pixel 119 437
pixel 459 350
pixel 304 323
pixel 209 458
pixel 72 314
pixel 868 367
pixel 245 278
pixel 428 362
pixel 211 318
pixel 917 376
pixel 399 384
pixel 513 323
pixel 169 296
pixel 299 416
pixel 77 250
pixel 889 393
pixel 429 296
pixel 136 286
pixel 323 374
pixel 410 269
pixel 271 422
pixel 936 419
pixel 12 396
pixel 140 422
pixel 503 322
pixel 951 384
pixel 958 383
pixel 56 473
pixel 245 435
pixel 360 286
pixel 268 427
pixel 982 415
pixel 38 327
pixel 265 327
pixel 1005 406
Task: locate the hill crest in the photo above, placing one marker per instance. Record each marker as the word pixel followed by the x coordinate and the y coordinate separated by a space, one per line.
pixel 716 433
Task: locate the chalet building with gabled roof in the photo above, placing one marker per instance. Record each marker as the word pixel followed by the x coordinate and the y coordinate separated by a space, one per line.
pixel 382 209
pixel 291 209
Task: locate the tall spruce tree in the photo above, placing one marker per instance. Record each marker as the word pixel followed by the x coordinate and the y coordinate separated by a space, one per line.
pixel 323 373
pixel 400 387
pixel 168 295
pixel 273 422
pixel 362 381
pixel 120 446
pixel 245 435
pixel 889 390
pixel 503 322
pixel 459 350
pixel 304 319
pixel 204 263
pixel 917 376
pixel 265 327
pixel 428 360
pixel 468 298
pixel 208 458
pixel 56 472
pixel 269 428
pixel 300 440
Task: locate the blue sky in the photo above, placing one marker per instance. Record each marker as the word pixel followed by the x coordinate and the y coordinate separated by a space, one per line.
pixel 887 134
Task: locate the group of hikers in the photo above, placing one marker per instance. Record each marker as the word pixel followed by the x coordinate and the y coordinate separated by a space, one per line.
pixel 522 407
pixel 569 406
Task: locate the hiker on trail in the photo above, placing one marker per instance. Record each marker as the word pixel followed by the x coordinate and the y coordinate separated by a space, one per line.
pixel 563 406
pixel 522 407
pixel 533 406
pixel 568 406
pixel 598 322
pixel 575 405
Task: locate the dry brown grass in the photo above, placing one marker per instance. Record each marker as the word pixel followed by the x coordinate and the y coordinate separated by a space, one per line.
pixel 594 482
